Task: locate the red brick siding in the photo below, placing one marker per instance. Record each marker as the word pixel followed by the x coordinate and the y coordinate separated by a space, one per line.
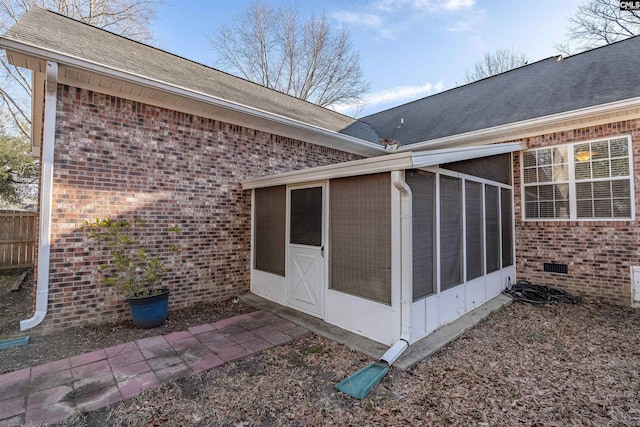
pixel 599 253
pixel 119 158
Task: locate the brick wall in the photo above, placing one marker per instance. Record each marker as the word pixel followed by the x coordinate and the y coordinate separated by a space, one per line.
pixel 119 158
pixel 599 254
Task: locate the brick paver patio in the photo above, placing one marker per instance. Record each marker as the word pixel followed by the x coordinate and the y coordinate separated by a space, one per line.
pixel 51 392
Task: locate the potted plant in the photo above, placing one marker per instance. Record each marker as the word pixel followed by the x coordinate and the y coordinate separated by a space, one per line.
pixel 133 268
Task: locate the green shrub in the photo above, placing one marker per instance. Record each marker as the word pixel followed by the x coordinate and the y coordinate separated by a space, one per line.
pixel 131 266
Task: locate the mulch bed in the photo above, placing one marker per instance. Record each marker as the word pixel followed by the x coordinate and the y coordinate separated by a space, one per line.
pixel 537 366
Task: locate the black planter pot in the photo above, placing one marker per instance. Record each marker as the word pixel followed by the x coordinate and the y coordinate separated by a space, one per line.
pixel 151 311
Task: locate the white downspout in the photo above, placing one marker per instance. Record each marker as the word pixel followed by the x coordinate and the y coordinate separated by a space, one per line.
pixel 46 188
pixel 406 266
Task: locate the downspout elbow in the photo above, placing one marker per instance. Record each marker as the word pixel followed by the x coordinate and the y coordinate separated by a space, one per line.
pixel 34 321
pixel 395 351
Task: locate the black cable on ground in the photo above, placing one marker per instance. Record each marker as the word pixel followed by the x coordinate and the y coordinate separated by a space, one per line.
pixel 528 293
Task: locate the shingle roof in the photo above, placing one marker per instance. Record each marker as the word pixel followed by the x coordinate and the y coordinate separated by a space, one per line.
pixel 544 88
pixel 547 87
pixel 51 31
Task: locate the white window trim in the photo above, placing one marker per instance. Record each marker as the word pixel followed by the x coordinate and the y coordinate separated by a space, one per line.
pixel 573 210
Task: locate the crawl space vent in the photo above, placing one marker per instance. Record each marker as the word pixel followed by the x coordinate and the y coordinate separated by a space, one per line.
pixel 556 268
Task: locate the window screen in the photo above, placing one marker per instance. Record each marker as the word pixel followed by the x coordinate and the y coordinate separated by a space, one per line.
pixel 450 232
pixel 360 230
pixel 423 188
pixel 550 168
pixel 600 179
pixel 269 238
pixel 306 216
pixel 494 168
pixel 492 228
pixel 473 232
pixel 506 222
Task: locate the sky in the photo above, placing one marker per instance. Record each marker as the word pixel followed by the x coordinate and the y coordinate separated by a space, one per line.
pixel 408 49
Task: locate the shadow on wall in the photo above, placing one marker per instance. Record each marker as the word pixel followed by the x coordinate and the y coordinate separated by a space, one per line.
pixel 212 263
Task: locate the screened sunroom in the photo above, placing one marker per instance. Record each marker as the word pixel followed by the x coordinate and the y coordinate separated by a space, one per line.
pixel 390 247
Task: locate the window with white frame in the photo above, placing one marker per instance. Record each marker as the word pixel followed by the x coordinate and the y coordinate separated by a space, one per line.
pixel 584 180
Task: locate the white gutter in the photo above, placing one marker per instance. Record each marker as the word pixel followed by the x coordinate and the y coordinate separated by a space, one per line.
pixel 46 189
pixel 368 148
pixel 528 128
pixel 387 163
pixel 406 266
pixel 337 170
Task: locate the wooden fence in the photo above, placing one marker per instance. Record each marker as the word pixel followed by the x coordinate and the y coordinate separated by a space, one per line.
pixel 17 239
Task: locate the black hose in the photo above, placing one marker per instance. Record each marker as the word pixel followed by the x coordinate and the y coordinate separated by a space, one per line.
pixel 528 293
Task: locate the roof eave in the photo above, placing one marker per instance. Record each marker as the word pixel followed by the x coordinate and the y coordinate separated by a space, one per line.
pixel 339 170
pixel 268 122
pixel 381 164
pixel 585 117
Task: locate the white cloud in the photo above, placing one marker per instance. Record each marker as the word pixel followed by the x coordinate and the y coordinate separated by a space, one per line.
pixel 430 6
pixel 458 4
pixel 385 16
pixel 398 94
pixel 368 20
pixel 469 22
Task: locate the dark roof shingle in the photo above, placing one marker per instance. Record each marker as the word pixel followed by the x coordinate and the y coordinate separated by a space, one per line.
pixel 544 88
pixel 51 31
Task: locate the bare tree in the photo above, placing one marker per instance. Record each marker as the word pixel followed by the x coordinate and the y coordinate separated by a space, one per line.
pixel 598 23
pixel 129 18
pixel 495 63
pixel 301 57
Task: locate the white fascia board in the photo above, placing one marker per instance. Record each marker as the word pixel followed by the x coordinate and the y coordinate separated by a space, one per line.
pixel 357 145
pixel 426 158
pixel 532 127
pixel 390 162
pixel 396 161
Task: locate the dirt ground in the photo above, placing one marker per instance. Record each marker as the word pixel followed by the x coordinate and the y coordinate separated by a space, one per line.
pixel 533 366
pixel 17 305
pixel 42 349
pixel 536 366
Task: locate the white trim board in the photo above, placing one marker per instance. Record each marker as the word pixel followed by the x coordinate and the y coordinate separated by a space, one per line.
pixel 386 163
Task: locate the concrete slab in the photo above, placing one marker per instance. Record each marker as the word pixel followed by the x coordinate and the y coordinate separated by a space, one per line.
pixel 14 384
pixel 173 372
pixel 415 353
pixel 448 333
pixel 353 341
pixel 134 385
pixel 199 329
pixel 12 407
pixel 122 373
pixel 85 359
pixel 49 414
pixel 51 392
pixel 234 352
